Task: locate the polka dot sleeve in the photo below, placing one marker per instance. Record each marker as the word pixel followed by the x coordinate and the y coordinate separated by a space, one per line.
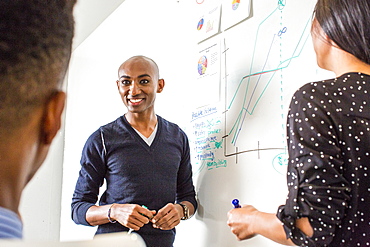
pixel 320 181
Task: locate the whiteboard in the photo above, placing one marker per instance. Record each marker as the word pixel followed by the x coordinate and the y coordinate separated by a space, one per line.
pixel 238 143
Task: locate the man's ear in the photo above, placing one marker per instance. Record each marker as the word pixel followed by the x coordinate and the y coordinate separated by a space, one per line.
pixel 53 116
pixel 160 85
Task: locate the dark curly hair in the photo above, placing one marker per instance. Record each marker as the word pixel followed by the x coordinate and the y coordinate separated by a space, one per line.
pixel 35 49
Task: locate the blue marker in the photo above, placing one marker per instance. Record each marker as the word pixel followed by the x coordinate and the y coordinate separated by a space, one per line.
pixel 236 204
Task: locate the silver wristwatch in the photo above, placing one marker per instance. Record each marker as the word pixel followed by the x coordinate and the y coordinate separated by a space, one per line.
pixel 186 211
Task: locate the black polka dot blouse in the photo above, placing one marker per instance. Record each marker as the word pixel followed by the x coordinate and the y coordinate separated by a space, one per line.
pixel 328 134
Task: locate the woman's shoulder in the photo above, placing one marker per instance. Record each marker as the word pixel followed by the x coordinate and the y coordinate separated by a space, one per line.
pixel 328 87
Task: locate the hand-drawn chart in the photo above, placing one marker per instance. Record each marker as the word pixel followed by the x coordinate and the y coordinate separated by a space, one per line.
pixel 245 111
pixel 238 145
pixel 207 139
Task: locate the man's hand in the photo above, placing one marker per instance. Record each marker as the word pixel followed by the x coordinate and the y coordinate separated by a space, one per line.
pixel 168 217
pixel 131 215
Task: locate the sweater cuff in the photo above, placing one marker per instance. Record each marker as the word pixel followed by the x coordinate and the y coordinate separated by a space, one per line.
pixel 79 213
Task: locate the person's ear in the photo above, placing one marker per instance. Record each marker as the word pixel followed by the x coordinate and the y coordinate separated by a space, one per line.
pixel 117 83
pixel 160 85
pixel 53 116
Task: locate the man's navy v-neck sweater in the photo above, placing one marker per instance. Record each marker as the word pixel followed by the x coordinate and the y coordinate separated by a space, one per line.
pixel 135 173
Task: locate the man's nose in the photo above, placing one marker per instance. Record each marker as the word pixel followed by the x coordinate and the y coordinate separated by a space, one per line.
pixel 135 88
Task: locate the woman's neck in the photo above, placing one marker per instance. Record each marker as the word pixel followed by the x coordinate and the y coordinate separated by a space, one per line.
pixel 344 62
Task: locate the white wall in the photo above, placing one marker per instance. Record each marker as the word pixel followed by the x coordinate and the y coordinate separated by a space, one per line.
pixel 41 202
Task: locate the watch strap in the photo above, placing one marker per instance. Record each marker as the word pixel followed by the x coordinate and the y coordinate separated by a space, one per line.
pixel 185 210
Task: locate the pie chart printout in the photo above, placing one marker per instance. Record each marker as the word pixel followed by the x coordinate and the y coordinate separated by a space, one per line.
pixel 235 4
pixel 200 24
pixel 202 65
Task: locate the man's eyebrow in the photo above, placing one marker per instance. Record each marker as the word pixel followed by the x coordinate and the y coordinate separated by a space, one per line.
pixel 140 76
pixel 143 75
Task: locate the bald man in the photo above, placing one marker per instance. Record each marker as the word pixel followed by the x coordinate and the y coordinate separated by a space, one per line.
pixel 145 161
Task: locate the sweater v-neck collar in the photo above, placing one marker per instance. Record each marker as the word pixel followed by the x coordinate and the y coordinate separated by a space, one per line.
pixel 149 140
pixel 139 138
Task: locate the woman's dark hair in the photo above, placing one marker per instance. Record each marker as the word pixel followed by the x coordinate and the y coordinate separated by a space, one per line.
pixel 347 23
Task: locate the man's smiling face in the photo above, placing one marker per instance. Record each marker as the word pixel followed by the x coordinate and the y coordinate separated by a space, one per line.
pixel 138 84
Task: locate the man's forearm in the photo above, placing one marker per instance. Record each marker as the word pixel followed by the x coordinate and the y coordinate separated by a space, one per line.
pixel 97 215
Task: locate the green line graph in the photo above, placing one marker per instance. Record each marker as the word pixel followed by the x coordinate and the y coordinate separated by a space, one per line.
pixel 261 75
